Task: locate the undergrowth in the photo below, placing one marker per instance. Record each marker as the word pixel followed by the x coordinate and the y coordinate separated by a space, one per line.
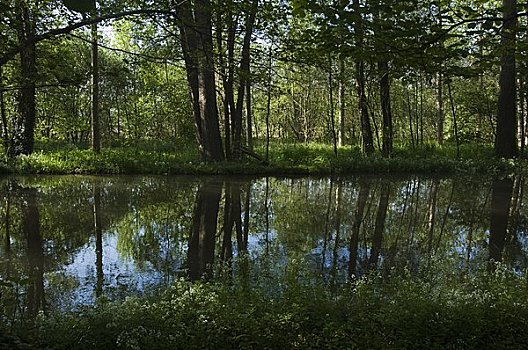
pixel 489 311
pixel 284 159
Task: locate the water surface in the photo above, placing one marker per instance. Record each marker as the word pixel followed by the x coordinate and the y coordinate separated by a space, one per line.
pixel 67 241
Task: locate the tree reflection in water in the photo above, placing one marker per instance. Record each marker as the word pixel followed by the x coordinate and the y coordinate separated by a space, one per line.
pixel 76 239
pixel 500 213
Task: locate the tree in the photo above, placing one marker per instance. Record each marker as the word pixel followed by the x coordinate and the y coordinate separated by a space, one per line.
pixel 197 46
pixel 384 86
pixel 366 128
pixel 506 137
pixel 95 120
pixel 24 133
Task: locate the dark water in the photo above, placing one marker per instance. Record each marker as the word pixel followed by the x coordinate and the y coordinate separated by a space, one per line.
pixel 65 241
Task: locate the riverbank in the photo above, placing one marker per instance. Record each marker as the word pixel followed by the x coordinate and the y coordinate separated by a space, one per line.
pixel 284 159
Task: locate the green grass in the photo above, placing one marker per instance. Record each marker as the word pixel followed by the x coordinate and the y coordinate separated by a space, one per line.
pixel 400 312
pixel 284 159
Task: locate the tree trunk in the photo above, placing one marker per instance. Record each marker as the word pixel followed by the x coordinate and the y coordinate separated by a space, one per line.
pixel 197 46
pixel 24 135
pixel 342 103
pixel 200 253
pixel 522 119
pixel 506 137
pixel 3 114
pixel 440 110
pixel 249 117
pixel 95 122
pixel 226 69
pixel 244 80
pixel 366 128
pixel 332 113
pixel 455 126
pixel 386 110
pixel 7 221
pixel 268 101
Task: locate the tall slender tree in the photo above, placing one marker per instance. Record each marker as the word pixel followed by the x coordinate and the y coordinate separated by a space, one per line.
pixel 366 128
pixel 95 120
pixel 24 135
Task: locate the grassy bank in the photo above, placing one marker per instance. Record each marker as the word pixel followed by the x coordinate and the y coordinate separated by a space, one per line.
pixel 284 159
pixel 443 312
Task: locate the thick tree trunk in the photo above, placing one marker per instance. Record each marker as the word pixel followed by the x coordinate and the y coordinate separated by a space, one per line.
pixel 24 135
pixel 506 137
pixel 500 209
pixel 197 47
pixel 200 254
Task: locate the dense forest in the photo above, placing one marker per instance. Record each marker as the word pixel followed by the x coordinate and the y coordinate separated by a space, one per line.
pixel 335 174
pixel 226 75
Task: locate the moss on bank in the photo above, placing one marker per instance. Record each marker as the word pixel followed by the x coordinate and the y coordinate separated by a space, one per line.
pixel 284 159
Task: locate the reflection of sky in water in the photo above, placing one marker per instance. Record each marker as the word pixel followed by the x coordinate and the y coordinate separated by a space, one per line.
pixel 120 274
pixel 129 267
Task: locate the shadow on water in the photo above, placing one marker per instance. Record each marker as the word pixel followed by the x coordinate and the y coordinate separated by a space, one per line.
pixel 68 241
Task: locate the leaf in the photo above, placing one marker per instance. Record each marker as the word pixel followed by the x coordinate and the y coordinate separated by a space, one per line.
pixel 82 6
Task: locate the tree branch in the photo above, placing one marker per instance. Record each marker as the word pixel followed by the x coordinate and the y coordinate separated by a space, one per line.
pixel 11 53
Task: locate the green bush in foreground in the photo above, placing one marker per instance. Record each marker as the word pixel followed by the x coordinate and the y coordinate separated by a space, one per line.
pixel 488 311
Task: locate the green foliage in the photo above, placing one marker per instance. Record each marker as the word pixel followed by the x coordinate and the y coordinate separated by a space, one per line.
pixel 156 157
pixel 397 312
